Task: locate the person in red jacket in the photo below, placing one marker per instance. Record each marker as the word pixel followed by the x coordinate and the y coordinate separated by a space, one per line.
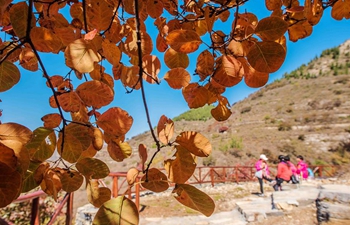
pixel 283 173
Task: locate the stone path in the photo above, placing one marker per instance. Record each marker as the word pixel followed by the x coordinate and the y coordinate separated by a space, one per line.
pixel 254 208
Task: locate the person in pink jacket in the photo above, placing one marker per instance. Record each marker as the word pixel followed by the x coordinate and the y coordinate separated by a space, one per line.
pixel 293 169
pixel 262 172
pixel 302 168
pixel 283 173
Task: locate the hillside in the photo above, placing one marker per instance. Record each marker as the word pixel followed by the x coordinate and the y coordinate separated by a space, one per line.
pixel 306 112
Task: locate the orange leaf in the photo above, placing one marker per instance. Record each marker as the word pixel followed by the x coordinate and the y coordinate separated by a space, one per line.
pixel 182 167
pixel 89 36
pixel 81 56
pixel 97 195
pixel 10 184
pixel 8 156
pixel 177 78
pixel 69 101
pixel 143 155
pixel 92 168
pixel 222 111
pixel 196 96
pixel 151 65
pixel 131 175
pixel 14 132
pixel 174 59
pixel 88 153
pixel 271 28
pixel 165 129
pixel 185 41
pixel 99 14
pixel 267 56
pixel 154 8
pixel 299 30
pixel 97 140
pixel 9 75
pixel 272 5
pixel 205 64
pixel 19 17
pixel 229 71
pixel 111 52
pixel 236 48
pixel 51 120
pixel 313 11
pixel 118 150
pixel 115 121
pixel 95 93
pixel 161 44
pixel 194 142
pixel 341 9
pixel 51 183
pixel 156 181
pixel 71 180
pixel 45 40
pixel 253 78
pixel 131 44
pixel 130 77
pixel 194 198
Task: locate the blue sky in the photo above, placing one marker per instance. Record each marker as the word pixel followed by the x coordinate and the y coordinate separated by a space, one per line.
pixel 28 101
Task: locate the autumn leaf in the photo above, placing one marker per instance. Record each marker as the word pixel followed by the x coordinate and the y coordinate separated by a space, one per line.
pixel 182 167
pixel 222 111
pixel 9 75
pixel 45 40
pixel 177 78
pixel 196 96
pixel 185 41
pixel 97 195
pixel 154 8
pixel 51 183
pixel 273 4
pixel 253 78
pixel 156 180
pixel 143 155
pixel 99 14
pixel 271 28
pixel 341 9
pixel 313 11
pixel 92 168
pixel 111 52
pixel 19 18
pixel 51 120
pixel 95 93
pixel 71 181
pixel 117 211
pixel 8 156
pixel 205 64
pixel 174 59
pixel 151 66
pixel 69 101
pixel 15 132
pixel 229 71
pixel 165 129
pixel 299 30
pixel 194 142
pixel 42 145
pixel 132 175
pixel 81 56
pixel 10 184
pixel 115 121
pixel 194 198
pixel 118 150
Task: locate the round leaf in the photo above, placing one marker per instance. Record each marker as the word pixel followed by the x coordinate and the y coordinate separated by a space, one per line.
pixel 115 121
pixel 156 181
pixel 71 181
pixel 92 168
pixel 95 93
pixel 177 78
pixel 185 41
pixel 271 28
pixel 174 59
pixel 42 145
pixel 194 142
pixel 97 195
pixel 10 184
pixel 9 75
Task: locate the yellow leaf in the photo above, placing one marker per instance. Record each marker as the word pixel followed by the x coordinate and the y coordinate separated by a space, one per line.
pixel 194 142
pixel 69 101
pixel 267 56
pixel 177 78
pixel 117 211
pixel 196 96
pixel 81 56
pixel 165 129
pixel 111 52
pixel 51 120
pixel 99 14
pixel 95 93
pixel 185 41
pixel 222 111
pixel 42 145
pixel 51 183
pixel 15 132
pixel 115 121
pixel 76 139
pixel 194 198
pixel 131 175
pixel 71 180
pixel 10 184
pixel 229 71
pixel 174 59
pixel 45 40
pixel 97 195
pixel 118 150
pixel 271 28
pixel 156 181
pixel 341 9
pixel 9 75
pixel 92 168
pixel 205 64
pixel 151 66
pixel 182 167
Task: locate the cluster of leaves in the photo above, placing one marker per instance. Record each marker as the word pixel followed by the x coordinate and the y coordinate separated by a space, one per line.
pixel 99 32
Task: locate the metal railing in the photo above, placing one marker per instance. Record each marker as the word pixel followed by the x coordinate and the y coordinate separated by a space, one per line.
pixel 202 175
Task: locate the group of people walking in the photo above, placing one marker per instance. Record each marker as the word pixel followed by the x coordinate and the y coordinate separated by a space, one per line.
pixel 286 172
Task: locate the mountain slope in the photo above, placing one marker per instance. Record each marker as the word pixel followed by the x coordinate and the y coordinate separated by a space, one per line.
pixel 307 112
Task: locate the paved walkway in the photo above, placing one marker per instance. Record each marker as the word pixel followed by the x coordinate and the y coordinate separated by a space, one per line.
pixel 254 208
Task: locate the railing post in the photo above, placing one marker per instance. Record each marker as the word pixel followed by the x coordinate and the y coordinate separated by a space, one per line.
pixel 224 172
pixel 115 187
pixel 34 220
pixel 236 174
pixel 137 193
pixel 320 171
pixel 69 213
pixel 212 177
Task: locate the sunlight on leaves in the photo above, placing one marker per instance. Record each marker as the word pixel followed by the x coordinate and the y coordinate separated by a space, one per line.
pixel 156 181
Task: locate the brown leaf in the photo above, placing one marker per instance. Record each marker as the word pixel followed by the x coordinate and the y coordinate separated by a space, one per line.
pixel 15 132
pixel 8 156
pixel 42 145
pixel 253 78
pixel 9 74
pixel 222 111
pixel 10 184
pixel 111 52
pixel 313 11
pixel 71 180
pixel 92 168
pixel 341 9
pixel 271 28
pixel 165 129
pixel 45 40
pixel 115 121
pixel 69 101
pixel 130 77
pixel 143 155
pixel 229 71
pixel 205 64
pixel 99 14
pixel 185 41
pixel 51 183
pixel 177 78
pixel 131 175
pixel 97 140
pixel 151 66
pixel 95 93
pixel 97 195
pixel 154 8
pixel 118 150
pixel 299 30
pixel 194 142
pixel 194 198
pixel 156 180
pixel 273 4
pixel 51 120
pixel 174 59
pixel 161 44
pixel 196 96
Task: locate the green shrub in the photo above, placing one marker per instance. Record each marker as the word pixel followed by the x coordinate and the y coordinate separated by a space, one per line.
pixel 200 114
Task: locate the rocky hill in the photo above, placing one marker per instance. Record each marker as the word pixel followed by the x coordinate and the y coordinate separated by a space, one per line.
pixel 306 112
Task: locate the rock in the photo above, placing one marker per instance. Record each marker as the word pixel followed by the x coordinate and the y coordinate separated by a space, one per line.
pixel 85 215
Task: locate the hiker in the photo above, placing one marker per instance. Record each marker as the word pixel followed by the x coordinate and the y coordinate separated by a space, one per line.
pixel 262 172
pixel 283 173
pixel 302 168
pixel 293 169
